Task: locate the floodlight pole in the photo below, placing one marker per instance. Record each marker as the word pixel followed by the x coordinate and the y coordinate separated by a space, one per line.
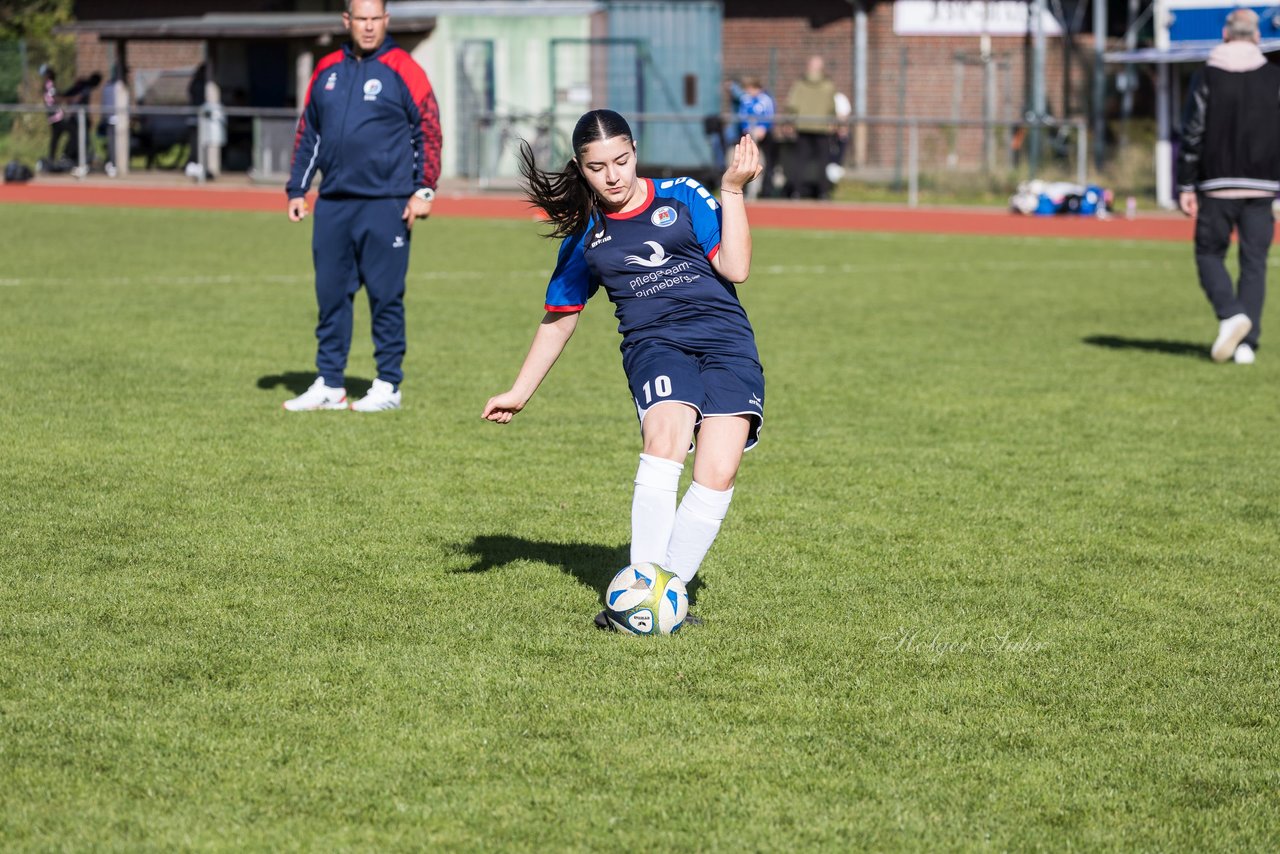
pixel 1164 145
pixel 1038 105
pixel 859 82
pixel 1099 82
pixel 123 96
pixel 988 91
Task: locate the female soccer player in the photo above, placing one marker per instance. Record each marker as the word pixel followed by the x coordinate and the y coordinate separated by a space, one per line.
pixel 668 256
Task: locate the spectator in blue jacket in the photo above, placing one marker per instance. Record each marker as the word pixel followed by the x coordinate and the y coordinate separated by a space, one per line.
pixel 371 127
pixel 755 113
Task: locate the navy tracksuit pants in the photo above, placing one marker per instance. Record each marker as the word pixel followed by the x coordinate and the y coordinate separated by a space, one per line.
pixel 354 242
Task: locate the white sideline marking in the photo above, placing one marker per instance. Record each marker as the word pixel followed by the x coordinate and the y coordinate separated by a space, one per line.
pixel 244 280
pixel 540 275
pixel 1041 266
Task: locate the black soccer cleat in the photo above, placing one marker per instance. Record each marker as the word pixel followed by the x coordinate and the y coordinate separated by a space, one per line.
pixel 691 620
pixel 602 622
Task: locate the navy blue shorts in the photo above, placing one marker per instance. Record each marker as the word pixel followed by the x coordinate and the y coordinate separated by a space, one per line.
pixel 713 385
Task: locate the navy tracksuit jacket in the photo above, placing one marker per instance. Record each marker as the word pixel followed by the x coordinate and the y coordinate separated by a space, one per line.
pixel 371 128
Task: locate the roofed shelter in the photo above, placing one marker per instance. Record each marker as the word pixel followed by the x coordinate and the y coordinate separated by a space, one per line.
pixel 252 59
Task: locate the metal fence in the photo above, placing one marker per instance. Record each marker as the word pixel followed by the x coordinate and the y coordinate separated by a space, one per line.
pixel 256 141
pixel 901 153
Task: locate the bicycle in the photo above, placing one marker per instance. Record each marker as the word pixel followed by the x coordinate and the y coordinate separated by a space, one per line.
pixel 542 132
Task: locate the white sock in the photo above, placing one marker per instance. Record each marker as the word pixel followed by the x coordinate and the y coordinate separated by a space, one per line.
pixel 653 508
pixel 697 523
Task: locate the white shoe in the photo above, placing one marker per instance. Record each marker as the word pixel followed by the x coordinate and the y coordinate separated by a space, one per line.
pixel 110 169
pixel 79 171
pixel 1230 333
pixel 382 395
pixel 193 171
pixel 1244 355
pixel 319 396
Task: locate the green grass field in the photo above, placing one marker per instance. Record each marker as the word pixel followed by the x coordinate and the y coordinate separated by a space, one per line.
pixel 1001 574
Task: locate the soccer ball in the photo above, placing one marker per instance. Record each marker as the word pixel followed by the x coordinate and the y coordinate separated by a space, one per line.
pixel 645 599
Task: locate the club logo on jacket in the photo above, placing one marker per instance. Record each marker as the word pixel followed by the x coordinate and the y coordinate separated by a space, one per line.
pixel 398 242
pixel 664 216
pixel 331 82
pixel 371 89
pixel 657 259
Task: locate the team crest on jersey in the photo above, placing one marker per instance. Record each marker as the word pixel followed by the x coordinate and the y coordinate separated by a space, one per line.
pixel 331 82
pixel 371 89
pixel 664 216
pixel 656 258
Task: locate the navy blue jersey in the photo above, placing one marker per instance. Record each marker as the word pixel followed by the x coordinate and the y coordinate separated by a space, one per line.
pixel 655 264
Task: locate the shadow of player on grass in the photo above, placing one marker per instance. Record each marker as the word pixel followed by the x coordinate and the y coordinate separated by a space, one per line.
pixel 299 381
pixel 593 565
pixel 1151 345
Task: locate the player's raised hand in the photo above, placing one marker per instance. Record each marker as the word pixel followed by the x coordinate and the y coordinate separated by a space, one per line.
pixel 502 408
pixel 745 166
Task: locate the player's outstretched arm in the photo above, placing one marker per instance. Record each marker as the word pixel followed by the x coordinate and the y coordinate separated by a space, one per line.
pixel 548 343
pixel 733 261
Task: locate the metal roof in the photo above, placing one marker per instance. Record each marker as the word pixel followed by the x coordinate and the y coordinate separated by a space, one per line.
pixel 245 26
pixel 502 8
pixel 1183 52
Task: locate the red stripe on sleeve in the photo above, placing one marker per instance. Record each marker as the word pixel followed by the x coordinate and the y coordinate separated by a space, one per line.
pixel 564 308
pixel 424 98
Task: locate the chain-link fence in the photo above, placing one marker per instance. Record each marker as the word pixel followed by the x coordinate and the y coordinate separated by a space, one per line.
pixel 201 141
pixel 901 154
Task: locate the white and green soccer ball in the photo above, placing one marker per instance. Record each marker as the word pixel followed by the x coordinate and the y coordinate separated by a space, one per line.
pixel 645 599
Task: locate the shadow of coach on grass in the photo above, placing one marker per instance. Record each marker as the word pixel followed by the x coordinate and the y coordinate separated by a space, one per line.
pixel 299 381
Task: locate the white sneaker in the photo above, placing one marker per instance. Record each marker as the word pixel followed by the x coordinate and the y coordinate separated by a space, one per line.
pixel 193 171
pixel 319 396
pixel 382 395
pixel 1244 355
pixel 110 169
pixel 1230 333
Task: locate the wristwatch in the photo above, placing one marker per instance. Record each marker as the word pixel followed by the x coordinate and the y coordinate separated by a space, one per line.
pixel 425 193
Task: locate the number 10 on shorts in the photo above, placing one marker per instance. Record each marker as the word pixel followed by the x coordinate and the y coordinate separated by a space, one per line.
pixel 660 386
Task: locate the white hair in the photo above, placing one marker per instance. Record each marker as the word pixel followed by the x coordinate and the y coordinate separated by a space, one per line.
pixel 1242 24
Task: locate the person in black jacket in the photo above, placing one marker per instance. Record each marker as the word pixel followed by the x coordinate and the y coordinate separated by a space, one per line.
pixel 1228 177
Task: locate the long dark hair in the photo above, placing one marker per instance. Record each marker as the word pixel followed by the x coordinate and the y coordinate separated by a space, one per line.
pixel 565 196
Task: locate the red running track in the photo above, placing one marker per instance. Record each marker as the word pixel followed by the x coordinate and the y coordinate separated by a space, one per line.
pixel 774 214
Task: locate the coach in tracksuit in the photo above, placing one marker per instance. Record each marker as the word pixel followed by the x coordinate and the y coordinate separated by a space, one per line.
pixel 371 127
pixel 1228 177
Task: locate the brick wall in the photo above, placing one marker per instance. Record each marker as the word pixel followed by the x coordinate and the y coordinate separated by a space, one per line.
pixel 939 77
pixel 94 55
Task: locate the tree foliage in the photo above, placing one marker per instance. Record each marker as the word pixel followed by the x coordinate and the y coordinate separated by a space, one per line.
pixel 33 19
